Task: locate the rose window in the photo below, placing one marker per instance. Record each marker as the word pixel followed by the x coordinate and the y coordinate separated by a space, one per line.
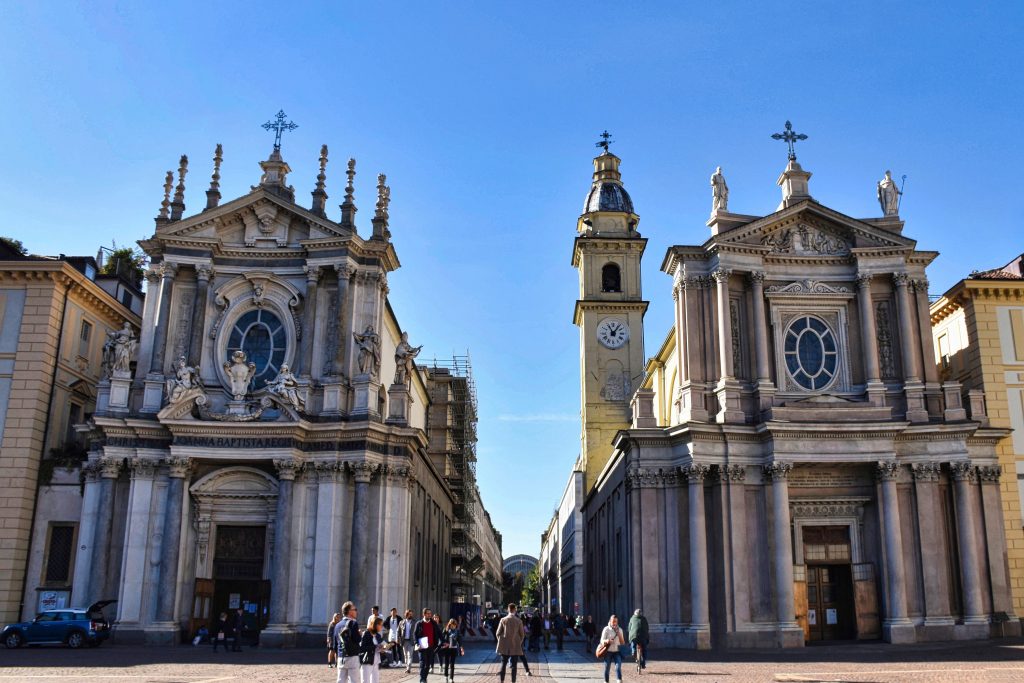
pixel 262 337
pixel 811 354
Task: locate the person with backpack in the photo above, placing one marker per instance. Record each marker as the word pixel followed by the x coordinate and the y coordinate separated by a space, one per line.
pixel 347 634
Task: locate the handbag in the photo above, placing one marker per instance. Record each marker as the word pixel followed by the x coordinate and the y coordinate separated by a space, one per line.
pixel 601 650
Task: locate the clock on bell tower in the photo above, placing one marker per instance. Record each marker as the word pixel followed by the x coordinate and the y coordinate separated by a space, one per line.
pixel 609 312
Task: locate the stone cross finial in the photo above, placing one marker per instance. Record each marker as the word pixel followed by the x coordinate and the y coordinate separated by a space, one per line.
pixel 790 138
pixel 213 194
pixel 178 205
pixel 165 205
pixel 320 193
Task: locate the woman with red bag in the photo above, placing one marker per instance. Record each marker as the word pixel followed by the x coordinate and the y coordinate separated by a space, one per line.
pixel 611 639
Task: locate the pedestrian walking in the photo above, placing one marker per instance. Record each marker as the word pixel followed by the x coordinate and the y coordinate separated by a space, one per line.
pixel 219 636
pixel 391 624
pixel 237 628
pixel 407 639
pixel 332 642
pixel 346 634
pixel 559 630
pixel 451 648
pixel 522 651
pixel 427 638
pixel 590 631
pixel 370 647
pixel 438 629
pixel 639 637
pixel 611 639
pixel 536 626
pixel 510 634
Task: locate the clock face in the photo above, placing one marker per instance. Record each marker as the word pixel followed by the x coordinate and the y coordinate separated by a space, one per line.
pixel 612 333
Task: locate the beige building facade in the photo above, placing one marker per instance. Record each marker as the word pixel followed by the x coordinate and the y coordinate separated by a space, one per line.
pixel 978 336
pixel 55 315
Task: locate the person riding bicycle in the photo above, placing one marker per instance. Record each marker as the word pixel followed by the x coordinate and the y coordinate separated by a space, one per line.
pixel 639 637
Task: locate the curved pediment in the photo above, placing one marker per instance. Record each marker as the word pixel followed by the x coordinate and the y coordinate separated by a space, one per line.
pixel 235 481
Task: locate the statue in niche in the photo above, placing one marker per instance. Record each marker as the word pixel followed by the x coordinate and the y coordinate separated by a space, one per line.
pixel 719 192
pixel 369 351
pixel 287 387
pixel 405 354
pixel 118 351
pixel 185 380
pixel 888 195
pixel 239 374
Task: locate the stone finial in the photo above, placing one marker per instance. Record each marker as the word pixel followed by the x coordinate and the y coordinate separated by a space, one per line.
pixel 213 194
pixel 320 193
pixel 380 216
pixel 348 207
pixel 165 205
pixel 178 205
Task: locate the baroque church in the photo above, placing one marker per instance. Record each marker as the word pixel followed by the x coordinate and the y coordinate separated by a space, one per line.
pixel 263 444
pixel 787 466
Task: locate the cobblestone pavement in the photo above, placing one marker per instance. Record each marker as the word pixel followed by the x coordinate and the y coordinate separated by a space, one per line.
pixel 854 663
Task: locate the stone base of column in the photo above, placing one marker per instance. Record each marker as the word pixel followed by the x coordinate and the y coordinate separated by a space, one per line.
pixel 789 636
pixel 120 389
pixel 899 632
pixel 399 402
pixel 692 407
pixel 279 635
pixel 875 391
pixel 729 408
pixel 1007 628
pixel 937 629
pixel 153 393
pixel 916 410
pixel 367 393
pixel 697 637
pixel 103 397
pixel 335 396
pixel 162 633
pixel 765 396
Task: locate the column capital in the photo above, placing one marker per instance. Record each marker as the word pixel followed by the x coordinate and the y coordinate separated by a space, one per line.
pixel 153 275
pixel 344 270
pixel 732 473
pixel 756 277
pixel 109 467
pixel 362 471
pixel 963 471
pixel 168 269
pixel 887 470
pixel 179 468
pixel 721 275
pixel 287 469
pixel 926 471
pixel 900 279
pixel 328 472
pixel 143 468
pixel 864 280
pixel 312 273
pixel 695 473
pixel 91 470
pixel 777 471
pixel 920 284
pixel 990 474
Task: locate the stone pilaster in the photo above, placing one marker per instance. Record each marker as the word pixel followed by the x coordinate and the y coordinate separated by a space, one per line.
pixel 692 399
pixel 789 633
pixel 964 480
pixel 699 629
pixel 762 369
pixel 933 543
pixel 896 627
pixel 309 321
pixel 1004 617
pixel 195 344
pixel 168 272
pixel 280 631
pixel 874 387
pixel 910 349
pixel 178 470
pixel 102 584
pixel 86 534
pixel 362 473
pixel 728 389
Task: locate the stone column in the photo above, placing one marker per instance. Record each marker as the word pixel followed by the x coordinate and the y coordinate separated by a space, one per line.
pixel 691 399
pixel 762 371
pixel 700 620
pixel 964 477
pixel 346 312
pixel 168 272
pixel 137 540
pixel 328 554
pixel 728 389
pixel 734 479
pixel 101 586
pixel 149 316
pixel 87 534
pixel 790 634
pixel 195 344
pixel 679 309
pixel 286 471
pixel 929 368
pixel 995 536
pixel 910 350
pixel 309 321
pixel 362 472
pixel 896 627
pixel 869 336
pixel 178 470
pixel 936 578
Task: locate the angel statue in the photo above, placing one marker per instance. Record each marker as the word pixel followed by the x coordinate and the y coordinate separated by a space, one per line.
pixel 286 386
pixel 185 379
pixel 369 351
pixel 405 353
pixel 118 351
pixel 240 374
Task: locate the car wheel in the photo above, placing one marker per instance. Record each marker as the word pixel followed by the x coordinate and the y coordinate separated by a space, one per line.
pixel 14 640
pixel 76 640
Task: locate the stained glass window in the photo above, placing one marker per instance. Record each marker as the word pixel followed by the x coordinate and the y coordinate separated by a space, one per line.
pixel 260 334
pixel 811 353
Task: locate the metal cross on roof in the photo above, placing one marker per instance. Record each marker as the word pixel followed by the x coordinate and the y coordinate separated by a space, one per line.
pixel 790 137
pixel 605 141
pixel 278 125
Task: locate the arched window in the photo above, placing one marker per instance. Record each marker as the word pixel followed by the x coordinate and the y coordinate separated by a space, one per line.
pixel 611 279
pixel 812 356
pixel 260 334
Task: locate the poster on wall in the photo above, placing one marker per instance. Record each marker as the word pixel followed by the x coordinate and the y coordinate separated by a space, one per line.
pixel 812 617
pixel 234 600
pixel 831 617
pixel 53 600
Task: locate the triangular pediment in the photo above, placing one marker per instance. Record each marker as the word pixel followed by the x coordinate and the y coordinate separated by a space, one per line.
pixel 810 229
pixel 258 219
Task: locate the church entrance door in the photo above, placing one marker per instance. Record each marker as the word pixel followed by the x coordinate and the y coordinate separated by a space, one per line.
pixel 238 582
pixel 830 603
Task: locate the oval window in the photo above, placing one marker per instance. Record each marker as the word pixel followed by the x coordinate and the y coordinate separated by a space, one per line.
pixel 262 337
pixel 811 353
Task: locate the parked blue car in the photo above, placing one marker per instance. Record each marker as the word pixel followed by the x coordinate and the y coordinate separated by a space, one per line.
pixel 75 627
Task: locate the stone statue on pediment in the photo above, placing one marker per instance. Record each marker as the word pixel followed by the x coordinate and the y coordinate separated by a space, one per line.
pixel 369 351
pixel 888 195
pixel 719 192
pixel 405 354
pixel 185 379
pixel 239 374
pixel 287 387
pixel 118 351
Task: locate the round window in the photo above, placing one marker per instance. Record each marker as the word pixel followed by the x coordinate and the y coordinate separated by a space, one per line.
pixel 811 354
pixel 260 334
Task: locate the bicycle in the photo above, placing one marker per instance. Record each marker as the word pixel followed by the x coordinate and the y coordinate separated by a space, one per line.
pixel 638 650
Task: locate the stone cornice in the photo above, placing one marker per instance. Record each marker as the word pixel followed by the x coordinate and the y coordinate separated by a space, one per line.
pixel 602 306
pixel 82 289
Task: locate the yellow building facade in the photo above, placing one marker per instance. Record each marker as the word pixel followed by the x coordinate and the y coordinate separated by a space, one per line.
pixel 978 333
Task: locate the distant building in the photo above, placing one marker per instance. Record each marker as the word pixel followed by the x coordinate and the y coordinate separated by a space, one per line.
pixel 978 335
pixel 519 564
pixel 561 553
pixel 55 316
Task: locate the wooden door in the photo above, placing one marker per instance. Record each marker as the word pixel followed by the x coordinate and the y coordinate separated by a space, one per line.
pixel 201 605
pixel 830 612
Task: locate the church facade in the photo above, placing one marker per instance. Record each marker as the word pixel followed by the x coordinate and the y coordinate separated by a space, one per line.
pixel 265 448
pixel 788 466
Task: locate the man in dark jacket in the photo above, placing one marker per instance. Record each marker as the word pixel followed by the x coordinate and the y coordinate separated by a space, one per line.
pixel 428 630
pixel 639 636
pixel 347 636
pixel 238 626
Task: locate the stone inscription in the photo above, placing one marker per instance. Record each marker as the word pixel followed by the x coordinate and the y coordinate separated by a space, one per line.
pixel 827 478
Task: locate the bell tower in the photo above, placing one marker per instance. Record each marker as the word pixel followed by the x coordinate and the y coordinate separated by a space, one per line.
pixel 609 312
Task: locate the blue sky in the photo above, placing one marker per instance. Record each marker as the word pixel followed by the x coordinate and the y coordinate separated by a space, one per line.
pixel 484 116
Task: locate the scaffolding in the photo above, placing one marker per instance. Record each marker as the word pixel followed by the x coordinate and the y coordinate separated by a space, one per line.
pixel 452 425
